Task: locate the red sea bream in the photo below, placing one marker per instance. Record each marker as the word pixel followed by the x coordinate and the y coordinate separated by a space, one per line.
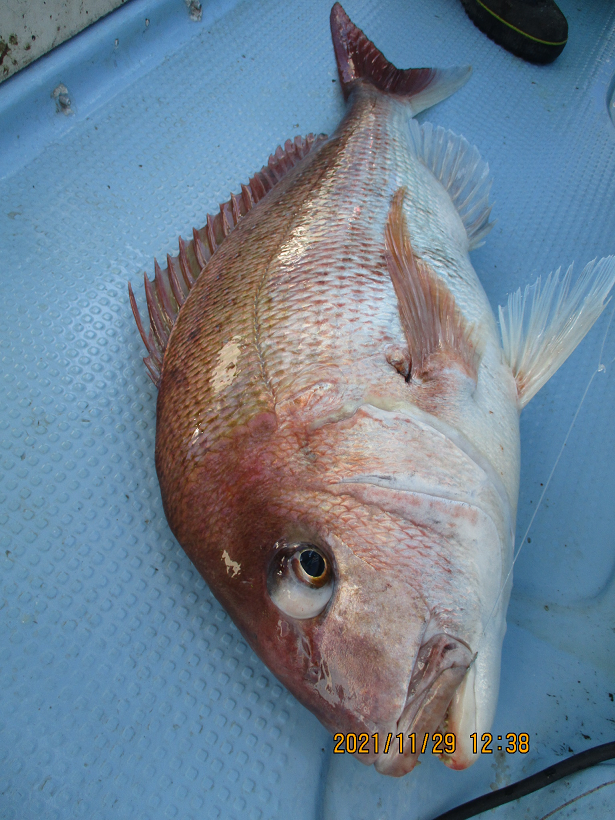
pixel 337 436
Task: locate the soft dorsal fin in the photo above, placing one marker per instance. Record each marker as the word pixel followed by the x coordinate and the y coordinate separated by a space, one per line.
pixel 461 169
pixel 168 291
pixel 359 59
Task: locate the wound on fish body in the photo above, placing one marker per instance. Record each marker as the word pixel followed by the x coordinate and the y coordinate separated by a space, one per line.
pixel 337 438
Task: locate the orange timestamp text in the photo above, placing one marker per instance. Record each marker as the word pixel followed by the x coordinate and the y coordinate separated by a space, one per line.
pixel 439 743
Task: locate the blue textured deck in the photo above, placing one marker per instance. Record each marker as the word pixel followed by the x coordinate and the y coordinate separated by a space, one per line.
pixel 126 691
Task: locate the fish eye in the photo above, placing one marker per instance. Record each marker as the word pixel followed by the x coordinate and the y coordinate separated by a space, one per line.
pixel 310 566
pixel 312 563
pixel 300 580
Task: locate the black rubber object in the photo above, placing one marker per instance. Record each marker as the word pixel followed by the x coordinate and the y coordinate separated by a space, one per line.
pixel 564 768
pixel 535 30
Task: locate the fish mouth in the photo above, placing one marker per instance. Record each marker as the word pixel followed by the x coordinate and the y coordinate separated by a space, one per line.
pixel 441 664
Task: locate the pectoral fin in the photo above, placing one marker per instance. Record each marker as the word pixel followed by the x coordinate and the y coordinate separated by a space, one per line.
pixel 431 321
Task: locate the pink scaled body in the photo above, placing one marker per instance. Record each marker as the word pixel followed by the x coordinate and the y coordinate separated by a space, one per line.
pixel 337 426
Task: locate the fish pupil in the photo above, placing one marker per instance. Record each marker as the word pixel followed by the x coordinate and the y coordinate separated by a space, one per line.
pixel 313 563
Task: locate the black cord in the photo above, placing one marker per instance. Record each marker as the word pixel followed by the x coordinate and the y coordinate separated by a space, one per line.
pixel 564 768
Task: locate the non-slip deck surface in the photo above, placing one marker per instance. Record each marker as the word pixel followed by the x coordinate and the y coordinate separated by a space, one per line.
pixel 126 691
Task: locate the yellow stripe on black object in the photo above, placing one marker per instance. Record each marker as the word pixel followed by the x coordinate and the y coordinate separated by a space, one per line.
pixel 520 31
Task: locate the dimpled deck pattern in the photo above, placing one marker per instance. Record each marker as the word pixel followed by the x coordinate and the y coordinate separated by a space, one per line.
pixel 126 691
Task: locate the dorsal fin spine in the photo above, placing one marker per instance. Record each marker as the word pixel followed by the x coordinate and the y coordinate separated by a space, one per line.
pixel 268 178
pixel 169 313
pixel 211 237
pixel 153 362
pixel 153 368
pixel 176 287
pixel 235 209
pixel 226 228
pixel 156 322
pixel 199 249
pixel 185 265
pixel 256 189
pixel 147 341
pixel 168 289
pixel 246 195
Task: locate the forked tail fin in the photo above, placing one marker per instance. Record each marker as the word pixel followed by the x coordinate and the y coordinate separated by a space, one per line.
pixel 359 59
pixel 543 325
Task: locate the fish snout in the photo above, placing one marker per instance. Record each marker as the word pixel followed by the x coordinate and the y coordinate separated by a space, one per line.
pixel 472 710
pixel 440 667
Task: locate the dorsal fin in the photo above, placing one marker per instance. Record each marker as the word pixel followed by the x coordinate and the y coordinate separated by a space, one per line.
pixel 463 172
pixel 171 285
pixel 359 59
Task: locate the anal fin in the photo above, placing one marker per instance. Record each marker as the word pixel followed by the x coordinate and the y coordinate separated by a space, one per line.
pixel 459 167
pixel 430 318
pixel 543 325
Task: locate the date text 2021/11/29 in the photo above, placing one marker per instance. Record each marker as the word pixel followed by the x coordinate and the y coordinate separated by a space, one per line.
pixel 441 744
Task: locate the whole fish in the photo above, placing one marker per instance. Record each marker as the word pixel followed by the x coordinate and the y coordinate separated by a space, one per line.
pixel 337 435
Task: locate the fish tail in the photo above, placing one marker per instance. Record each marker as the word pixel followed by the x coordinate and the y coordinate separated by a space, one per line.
pixel 359 59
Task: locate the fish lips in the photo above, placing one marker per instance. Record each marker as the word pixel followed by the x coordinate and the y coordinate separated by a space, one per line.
pixel 440 667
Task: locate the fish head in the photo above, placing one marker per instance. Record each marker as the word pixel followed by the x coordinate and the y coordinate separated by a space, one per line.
pixel 365 599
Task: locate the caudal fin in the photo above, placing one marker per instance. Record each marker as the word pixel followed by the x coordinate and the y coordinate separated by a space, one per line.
pixel 543 325
pixel 359 59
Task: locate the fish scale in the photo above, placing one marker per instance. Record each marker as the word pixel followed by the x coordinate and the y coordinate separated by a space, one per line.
pixel 337 262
